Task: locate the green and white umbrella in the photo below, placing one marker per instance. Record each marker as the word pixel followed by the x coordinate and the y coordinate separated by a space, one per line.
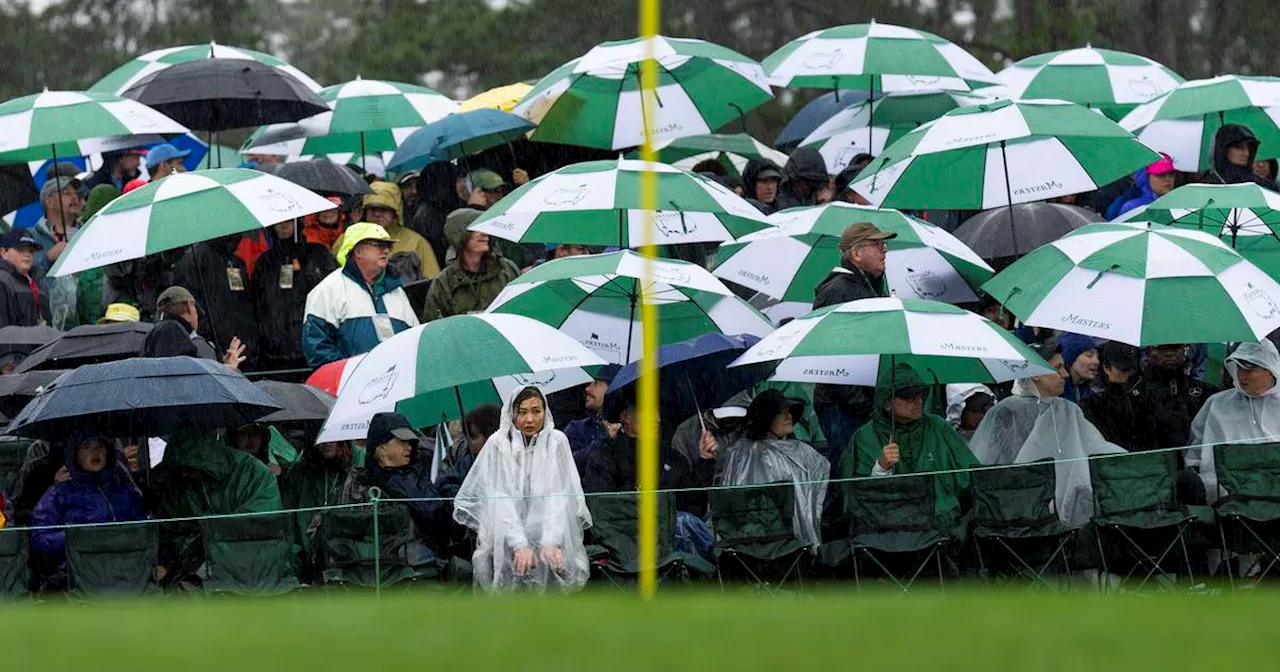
pixel 184 209
pixel 134 71
pixel 1112 81
pixel 76 123
pixel 787 263
pixel 876 57
pixel 369 116
pixel 596 299
pixel 1141 284
pixel 598 203
pixel 431 367
pixel 594 101
pixel 1182 122
pixel 1244 216
pixel 1002 153
pixel 731 150
pixel 846 344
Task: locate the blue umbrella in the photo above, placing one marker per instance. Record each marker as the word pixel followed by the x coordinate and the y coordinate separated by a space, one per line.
pixel 694 374
pixel 143 396
pixel 811 116
pixel 456 136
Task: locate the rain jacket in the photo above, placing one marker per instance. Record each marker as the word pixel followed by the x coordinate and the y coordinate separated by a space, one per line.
pixel 612 468
pixel 285 275
pixel 458 291
pixel 341 313
pixel 57 295
pixel 586 435
pixel 106 496
pixel 1235 417
pixel 172 337
pixel 927 444
pixel 1127 415
pixel 749 174
pixel 138 282
pixel 759 462
pixel 957 396
pixel 1225 172
pixel 1144 195
pixel 806 164
pixel 18 305
pixel 1178 398
pixel 231 481
pixel 387 195
pixel 437 197
pixel 687 442
pixel 89 305
pixel 207 270
pixel 845 283
pixel 413 481
pixel 318 233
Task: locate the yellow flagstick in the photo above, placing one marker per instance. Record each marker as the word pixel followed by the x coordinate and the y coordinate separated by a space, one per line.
pixel 647 460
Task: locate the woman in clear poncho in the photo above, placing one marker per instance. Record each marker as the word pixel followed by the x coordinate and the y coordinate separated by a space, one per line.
pixel 1249 412
pixel 766 454
pixel 525 502
pixel 1037 423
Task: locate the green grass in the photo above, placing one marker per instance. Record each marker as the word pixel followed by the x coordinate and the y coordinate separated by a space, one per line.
pixel 988 631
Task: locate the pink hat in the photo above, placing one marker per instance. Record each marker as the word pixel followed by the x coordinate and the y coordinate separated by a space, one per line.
pixel 1164 165
pixel 133 184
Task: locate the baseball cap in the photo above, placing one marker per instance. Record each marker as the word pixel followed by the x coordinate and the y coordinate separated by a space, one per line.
pixel 1161 167
pixel 173 295
pixel 384 426
pixel 59 176
pixel 769 173
pixel 407 176
pixel 20 238
pixel 862 233
pixel 607 373
pixel 164 152
pixel 120 312
pixel 486 179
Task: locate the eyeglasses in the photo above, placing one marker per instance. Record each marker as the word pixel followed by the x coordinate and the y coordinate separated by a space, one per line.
pixel 878 244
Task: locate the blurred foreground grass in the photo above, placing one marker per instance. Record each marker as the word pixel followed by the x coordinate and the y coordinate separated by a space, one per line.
pixel 986 631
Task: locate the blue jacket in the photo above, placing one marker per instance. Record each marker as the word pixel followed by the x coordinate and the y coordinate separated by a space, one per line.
pixel 586 435
pixel 341 310
pixel 106 496
pixel 1136 197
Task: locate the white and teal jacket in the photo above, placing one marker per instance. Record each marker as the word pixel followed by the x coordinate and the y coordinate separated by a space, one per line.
pixel 341 310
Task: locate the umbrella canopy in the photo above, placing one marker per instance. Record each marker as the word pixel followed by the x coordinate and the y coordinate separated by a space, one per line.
pixel 125 76
pixel 1244 216
pixel 219 94
pixel 444 354
pixel 23 340
pixel 76 123
pixel 596 300
pixel 814 113
pixel 598 203
pixel 1002 153
pixel 17 187
pixel 1141 284
pixel 17 389
pixel 848 343
pixel 990 232
pixel 174 212
pixel 302 403
pixel 292 140
pixel 149 396
pixel 324 176
pixel 731 150
pixel 456 136
pixel 504 98
pixel 331 376
pixel 594 101
pixel 694 377
pixel 88 344
pixel 1182 122
pixel 1112 81
pixel 788 263
pixel 875 57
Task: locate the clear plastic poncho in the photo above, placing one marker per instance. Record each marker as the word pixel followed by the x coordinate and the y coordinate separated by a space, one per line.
pixel 1025 428
pixel 768 461
pixel 1232 416
pixel 525 494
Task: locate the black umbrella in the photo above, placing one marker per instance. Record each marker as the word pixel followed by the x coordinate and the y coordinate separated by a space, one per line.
pixel 218 94
pixel 16 389
pixel 302 403
pixel 24 340
pixel 324 176
pixel 17 188
pixel 149 396
pixel 88 344
pixel 988 233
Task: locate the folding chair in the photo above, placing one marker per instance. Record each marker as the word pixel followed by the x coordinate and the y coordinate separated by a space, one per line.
pixel 754 532
pixel 12 454
pixel 116 560
pixel 15 577
pixel 350 558
pixel 892 520
pixel 253 555
pixel 613 533
pixel 1136 508
pixel 1249 514
pixel 1015 519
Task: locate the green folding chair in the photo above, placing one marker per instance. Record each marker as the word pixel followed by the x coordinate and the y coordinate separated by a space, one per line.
pixel 612 537
pixel 1249 514
pixel 1136 510
pixel 1017 533
pixel 15 576
pixel 755 535
pixel 350 557
pixel 113 560
pixel 251 555
pixel 893 527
